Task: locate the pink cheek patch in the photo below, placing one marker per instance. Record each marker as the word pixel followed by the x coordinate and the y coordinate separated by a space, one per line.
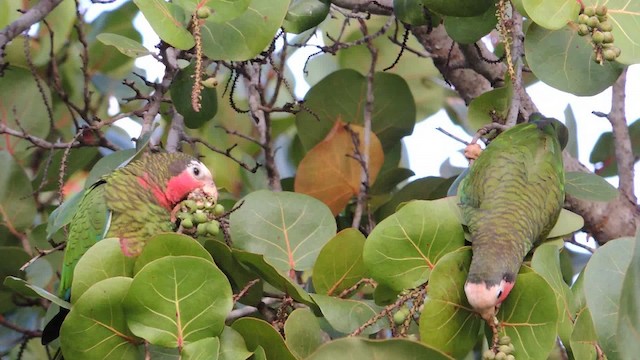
pixel 505 291
pixel 180 186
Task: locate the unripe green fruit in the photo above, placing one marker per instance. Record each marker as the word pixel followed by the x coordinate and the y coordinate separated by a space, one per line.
pixel 505 349
pixel 617 50
pixel 203 12
pixel 183 215
pixel 187 223
pixel 400 316
pixel 213 228
pixel 505 340
pixel 218 210
pixel 583 30
pixel 202 229
pixel 210 82
pixel 601 10
pixel 597 37
pixel 593 22
pixel 608 37
pixel 583 18
pixel 590 11
pixel 489 355
pixel 190 204
pixel 501 356
pixel 200 205
pixel 609 54
pixel 511 357
pixel 605 26
pixel 200 217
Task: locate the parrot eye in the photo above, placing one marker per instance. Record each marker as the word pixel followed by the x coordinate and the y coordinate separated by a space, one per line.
pixel 499 294
pixel 196 171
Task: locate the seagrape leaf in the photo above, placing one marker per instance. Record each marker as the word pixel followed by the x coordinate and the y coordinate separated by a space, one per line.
pixel 125 45
pixel 167 20
pixel 410 12
pixel 221 11
pixel 257 333
pixel 403 249
pixel 572 126
pixel 346 315
pixel 177 300
pixel 23 287
pixel 628 334
pixel 589 187
pixel 426 188
pixel 305 14
pixel 341 95
pixel 329 173
pixel 169 244
pixel 108 164
pixel 603 280
pixel 339 265
pixel 17 206
pixel 458 7
pixel 604 151
pixel 360 348
pixel 624 15
pixel 552 14
pixel 63 214
pixel 481 108
pixel 11 259
pixel 102 261
pixel 232 345
pixel 446 322
pixel 245 36
pixel 530 317
pixel 584 339
pixel 564 60
pixel 203 349
pixel 302 333
pixel 96 327
pixel 181 88
pixel 289 229
pixel 467 30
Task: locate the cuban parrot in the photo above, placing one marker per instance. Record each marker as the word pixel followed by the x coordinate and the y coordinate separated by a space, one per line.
pixel 132 203
pixel 510 199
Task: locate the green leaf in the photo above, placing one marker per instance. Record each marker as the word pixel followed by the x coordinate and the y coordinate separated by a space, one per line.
pixel 530 317
pixel 590 187
pixel 289 229
pixel 181 89
pixel 237 274
pixel 339 265
pixel 203 349
pixel 546 262
pixel 572 71
pixel 302 333
pixel 403 249
pixel 458 7
pixel 495 102
pixel 468 30
pixel 305 14
pixel 584 339
pixel 624 15
pixel 360 348
pixel 258 332
pixel 60 20
pixel 340 96
pixel 96 327
pixel 102 261
pixel 603 280
pixel 128 47
pixel 167 20
pixel 258 264
pixel 17 206
pixel 63 214
pixel 446 322
pixel 388 180
pixel 410 12
pixel 245 36
pixel 604 150
pixel 11 259
pixel 572 126
pixel 232 345
pixel 23 287
pixel 568 223
pixel 628 335
pixel 552 14
pixel 346 315
pixel 108 164
pixel 169 244
pixel 221 11
pixel 177 300
pixel 426 188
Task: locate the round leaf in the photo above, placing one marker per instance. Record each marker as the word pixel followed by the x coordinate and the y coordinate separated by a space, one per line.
pixel 177 300
pixel 206 348
pixel 125 45
pixel 346 315
pixel 590 187
pixel 467 30
pixel 181 90
pixel 458 7
pixel 584 339
pixel 339 265
pixel 288 228
pixel 232 345
pixel 359 348
pixel 568 223
pixel 403 249
pixel 96 327
pixel 305 14
pixel 169 244
pixel 410 12
pixel 482 107
pixel 102 261
pixel 258 332
pixel 564 60
pixel 552 14
pixel 629 319
pixel 17 206
pixel 167 20
pixel 221 11
pixel 302 332
pixel 624 15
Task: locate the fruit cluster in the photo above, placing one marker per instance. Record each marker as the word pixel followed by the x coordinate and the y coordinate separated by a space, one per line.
pixel 593 21
pixel 199 215
pixel 504 351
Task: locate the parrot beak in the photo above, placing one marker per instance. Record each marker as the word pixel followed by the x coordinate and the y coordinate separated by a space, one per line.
pixel 482 298
pixel 211 190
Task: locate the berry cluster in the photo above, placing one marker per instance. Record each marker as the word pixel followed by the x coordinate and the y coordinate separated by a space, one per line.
pixel 199 215
pixel 504 351
pixel 593 21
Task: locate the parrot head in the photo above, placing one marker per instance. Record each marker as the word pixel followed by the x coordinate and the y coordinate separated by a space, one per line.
pixel 187 176
pixel 485 297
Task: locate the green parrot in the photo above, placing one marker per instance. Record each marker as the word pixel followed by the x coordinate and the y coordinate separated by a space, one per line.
pixel 132 203
pixel 511 199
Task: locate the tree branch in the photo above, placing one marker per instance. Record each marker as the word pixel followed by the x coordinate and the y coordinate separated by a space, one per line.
pixel 377 7
pixel 621 139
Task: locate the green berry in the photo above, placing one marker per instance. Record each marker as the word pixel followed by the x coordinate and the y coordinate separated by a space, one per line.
pixel 187 223
pixel 505 349
pixel 210 82
pixel 203 12
pixel 213 228
pixel 583 30
pixel 190 204
pixel 605 26
pixel 505 340
pixel 597 37
pixel 501 356
pixel 218 210
pixel 400 316
pixel 202 229
pixel 617 50
pixel 608 37
pixel 200 217
pixel 488 355
pixel 590 11
pixel 582 19
pixel 609 54
pixel 511 357
pixel 593 22
pixel 183 215
pixel 601 10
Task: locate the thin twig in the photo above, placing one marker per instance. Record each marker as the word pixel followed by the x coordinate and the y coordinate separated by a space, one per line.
pixel 42 253
pixel 28 333
pixel 24 240
pixel 452 136
pixel 245 290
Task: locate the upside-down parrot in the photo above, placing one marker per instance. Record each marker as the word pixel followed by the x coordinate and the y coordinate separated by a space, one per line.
pixel 132 203
pixel 510 199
